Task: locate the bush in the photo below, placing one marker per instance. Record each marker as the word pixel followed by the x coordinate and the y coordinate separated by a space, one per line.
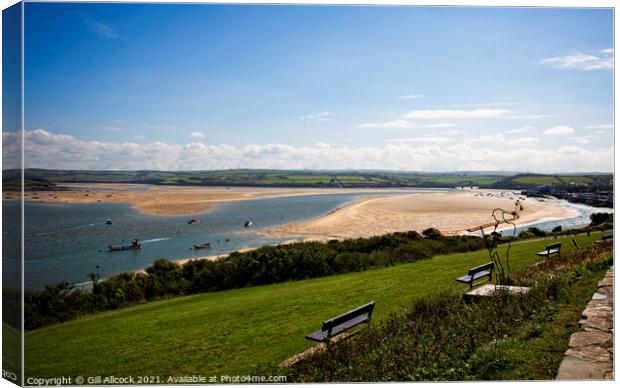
pixel 537 232
pixel 432 233
pixel 599 218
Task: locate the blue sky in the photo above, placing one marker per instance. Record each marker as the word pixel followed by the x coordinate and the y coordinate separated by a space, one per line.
pixel 407 88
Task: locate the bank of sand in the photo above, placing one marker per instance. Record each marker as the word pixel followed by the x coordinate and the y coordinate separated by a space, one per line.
pixel 172 200
pixel 451 213
pixel 385 211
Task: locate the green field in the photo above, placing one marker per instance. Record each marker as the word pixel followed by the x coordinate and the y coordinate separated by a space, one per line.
pixel 274 178
pixel 546 180
pixel 242 330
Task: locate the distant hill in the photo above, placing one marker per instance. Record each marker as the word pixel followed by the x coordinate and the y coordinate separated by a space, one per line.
pixel 522 181
pixel 40 179
pixel 271 178
pixel 12 182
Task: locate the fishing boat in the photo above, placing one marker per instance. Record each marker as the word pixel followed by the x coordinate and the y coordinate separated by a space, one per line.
pixel 247 224
pixel 135 244
pixel 193 221
pixel 109 221
pixel 202 246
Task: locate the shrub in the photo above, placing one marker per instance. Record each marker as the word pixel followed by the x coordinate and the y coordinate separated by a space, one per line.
pixel 599 218
pixel 432 233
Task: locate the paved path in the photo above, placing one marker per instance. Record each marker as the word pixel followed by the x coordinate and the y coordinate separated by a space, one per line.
pixel 590 354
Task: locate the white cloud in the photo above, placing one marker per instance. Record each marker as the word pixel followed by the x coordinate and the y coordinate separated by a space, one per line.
pixel 601 60
pixel 139 137
pixel 101 29
pixel 452 132
pixel 536 116
pixel 53 150
pixel 197 134
pixel 439 114
pixel 402 124
pixel 322 116
pixel 519 130
pixel 395 124
pixel 411 96
pixel 496 139
pixel 439 125
pixel 601 126
pixel 524 140
pixel 422 139
pixel 579 140
pixel 559 130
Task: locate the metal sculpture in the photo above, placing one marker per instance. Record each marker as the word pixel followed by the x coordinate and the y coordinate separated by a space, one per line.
pixel 501 216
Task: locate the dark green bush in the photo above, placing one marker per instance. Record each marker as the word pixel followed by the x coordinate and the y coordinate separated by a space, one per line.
pixel 599 218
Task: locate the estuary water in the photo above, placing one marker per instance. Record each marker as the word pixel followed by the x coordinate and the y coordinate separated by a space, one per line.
pixel 65 242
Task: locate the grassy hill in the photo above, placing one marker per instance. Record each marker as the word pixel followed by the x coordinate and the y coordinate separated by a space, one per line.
pixel 273 178
pixel 312 178
pixel 534 180
pixel 241 330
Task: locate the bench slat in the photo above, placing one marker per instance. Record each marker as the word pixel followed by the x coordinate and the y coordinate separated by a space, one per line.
pixel 342 318
pixel 476 276
pixel 476 273
pixel 321 335
pixel 548 252
pixel 464 279
pixel 605 239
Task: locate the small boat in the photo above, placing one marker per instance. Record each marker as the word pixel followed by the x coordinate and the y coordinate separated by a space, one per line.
pixel 135 244
pixel 247 224
pixel 193 221
pixel 202 246
pixel 109 221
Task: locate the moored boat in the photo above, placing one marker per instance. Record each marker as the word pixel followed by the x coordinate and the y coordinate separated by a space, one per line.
pixel 135 244
pixel 202 246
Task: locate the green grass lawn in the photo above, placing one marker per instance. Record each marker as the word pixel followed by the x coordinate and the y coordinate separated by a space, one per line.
pixel 234 332
pixel 537 180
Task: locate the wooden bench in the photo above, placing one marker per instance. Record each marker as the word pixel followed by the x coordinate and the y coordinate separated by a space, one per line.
pixel 606 239
pixel 477 273
pixel 551 249
pixel 343 322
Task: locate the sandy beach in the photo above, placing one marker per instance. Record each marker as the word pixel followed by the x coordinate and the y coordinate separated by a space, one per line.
pixel 451 213
pixel 171 200
pixel 375 212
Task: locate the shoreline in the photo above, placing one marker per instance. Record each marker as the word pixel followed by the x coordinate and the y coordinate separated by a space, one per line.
pixel 182 200
pixel 371 212
pixel 451 213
